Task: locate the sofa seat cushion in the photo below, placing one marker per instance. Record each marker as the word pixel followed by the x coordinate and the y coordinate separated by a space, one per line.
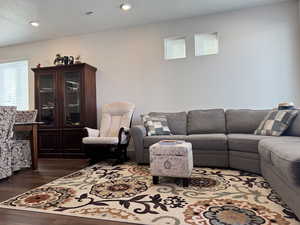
pixel 284 155
pixel 208 141
pixel 199 141
pixel 100 140
pixel 245 142
pixel 150 140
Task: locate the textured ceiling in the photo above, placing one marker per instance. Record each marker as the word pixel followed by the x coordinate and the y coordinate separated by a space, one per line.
pixel 60 18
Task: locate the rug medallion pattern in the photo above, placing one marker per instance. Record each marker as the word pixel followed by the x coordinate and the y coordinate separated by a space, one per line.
pixel 125 193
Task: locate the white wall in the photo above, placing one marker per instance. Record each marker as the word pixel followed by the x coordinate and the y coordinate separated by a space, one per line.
pixel 257 67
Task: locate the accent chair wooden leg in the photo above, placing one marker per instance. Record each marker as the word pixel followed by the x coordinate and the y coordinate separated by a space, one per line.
pixel 119 156
pixel 155 179
pixel 125 154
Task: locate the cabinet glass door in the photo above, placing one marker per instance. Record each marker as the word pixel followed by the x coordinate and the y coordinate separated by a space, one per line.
pixel 47 97
pixel 72 103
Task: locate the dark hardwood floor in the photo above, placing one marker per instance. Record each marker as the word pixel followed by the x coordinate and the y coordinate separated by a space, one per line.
pixel 49 169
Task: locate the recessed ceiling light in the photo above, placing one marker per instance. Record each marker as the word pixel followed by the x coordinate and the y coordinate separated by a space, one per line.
pixel 125 6
pixel 88 13
pixel 34 23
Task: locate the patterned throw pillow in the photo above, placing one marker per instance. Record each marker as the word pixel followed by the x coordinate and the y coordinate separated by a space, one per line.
pixel 276 122
pixel 156 125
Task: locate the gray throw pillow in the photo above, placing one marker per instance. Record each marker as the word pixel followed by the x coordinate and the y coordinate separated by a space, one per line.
pixel 156 125
pixel 276 122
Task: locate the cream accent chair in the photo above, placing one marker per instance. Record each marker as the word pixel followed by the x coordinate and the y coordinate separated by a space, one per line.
pixel 114 131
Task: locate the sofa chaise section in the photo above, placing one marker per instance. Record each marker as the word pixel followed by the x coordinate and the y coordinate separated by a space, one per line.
pixel 280 165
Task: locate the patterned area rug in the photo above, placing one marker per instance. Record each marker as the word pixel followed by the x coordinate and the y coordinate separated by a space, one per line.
pixel 125 193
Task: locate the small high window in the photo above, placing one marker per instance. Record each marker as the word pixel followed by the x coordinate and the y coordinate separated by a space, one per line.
pixel 175 48
pixel 14 84
pixel 206 44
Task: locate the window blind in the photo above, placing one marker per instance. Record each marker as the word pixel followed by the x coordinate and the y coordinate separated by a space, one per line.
pixel 14 84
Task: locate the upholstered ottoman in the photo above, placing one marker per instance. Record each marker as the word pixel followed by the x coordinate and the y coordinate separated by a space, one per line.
pixel 171 159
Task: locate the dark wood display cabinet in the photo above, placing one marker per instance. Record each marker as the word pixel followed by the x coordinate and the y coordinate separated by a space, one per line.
pixel 65 97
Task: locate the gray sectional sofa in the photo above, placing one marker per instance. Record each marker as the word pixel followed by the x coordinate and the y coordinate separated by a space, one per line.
pixel 226 140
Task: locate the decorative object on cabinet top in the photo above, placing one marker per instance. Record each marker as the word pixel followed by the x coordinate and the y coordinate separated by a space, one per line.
pixel 59 60
pixel 77 59
pixel 75 65
pixel 63 60
pixel 286 106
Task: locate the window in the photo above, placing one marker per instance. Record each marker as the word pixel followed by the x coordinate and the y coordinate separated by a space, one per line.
pixel 206 44
pixel 14 84
pixel 175 48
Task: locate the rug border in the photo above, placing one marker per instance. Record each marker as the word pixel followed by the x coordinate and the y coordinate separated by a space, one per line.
pixel 18 195
pixel 67 214
pixel 58 213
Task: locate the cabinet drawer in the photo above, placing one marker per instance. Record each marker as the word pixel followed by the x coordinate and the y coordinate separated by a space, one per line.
pixel 49 143
pixel 72 139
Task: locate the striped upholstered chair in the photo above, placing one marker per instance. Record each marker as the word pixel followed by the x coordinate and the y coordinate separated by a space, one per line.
pixel 7 119
pixel 14 154
pixel 21 147
pixel 25 116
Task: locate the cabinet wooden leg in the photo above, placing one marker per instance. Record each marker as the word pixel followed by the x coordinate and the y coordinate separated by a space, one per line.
pixel 155 179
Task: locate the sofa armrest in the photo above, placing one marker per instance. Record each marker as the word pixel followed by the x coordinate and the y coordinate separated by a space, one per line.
pixel 138 133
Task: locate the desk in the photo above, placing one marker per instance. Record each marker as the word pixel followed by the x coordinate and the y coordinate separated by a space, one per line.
pixel 32 128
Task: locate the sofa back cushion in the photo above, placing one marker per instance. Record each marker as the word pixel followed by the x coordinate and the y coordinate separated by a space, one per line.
pixel 206 121
pixel 177 122
pixel 294 128
pixel 244 121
